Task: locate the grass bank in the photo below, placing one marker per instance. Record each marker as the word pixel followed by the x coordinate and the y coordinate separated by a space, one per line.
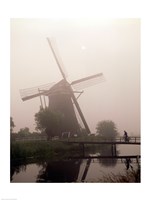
pixel 41 149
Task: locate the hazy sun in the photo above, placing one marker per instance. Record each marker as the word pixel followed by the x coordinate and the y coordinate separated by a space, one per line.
pixel 83 47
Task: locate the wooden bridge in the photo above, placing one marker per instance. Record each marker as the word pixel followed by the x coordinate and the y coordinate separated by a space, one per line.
pixel 119 140
pixel 104 141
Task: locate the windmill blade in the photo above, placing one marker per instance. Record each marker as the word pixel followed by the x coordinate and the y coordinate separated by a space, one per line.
pixel 79 110
pixel 33 92
pixel 31 96
pixel 59 62
pixel 88 81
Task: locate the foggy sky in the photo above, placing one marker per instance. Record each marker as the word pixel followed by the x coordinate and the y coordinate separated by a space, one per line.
pixel 87 47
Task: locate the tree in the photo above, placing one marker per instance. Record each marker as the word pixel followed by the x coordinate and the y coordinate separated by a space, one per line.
pixel 24 131
pixel 12 125
pixel 107 129
pixel 48 121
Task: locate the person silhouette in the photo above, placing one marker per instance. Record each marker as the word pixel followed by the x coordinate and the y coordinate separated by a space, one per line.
pixel 126 138
pixel 128 164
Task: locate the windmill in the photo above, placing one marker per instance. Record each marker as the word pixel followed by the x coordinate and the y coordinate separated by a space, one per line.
pixel 62 96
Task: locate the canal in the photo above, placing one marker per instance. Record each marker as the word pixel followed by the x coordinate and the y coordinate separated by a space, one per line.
pixel 79 170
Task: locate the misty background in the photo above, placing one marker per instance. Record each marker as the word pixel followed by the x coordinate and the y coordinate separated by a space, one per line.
pixel 86 46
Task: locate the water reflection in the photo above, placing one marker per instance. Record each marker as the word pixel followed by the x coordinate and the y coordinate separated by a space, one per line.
pixel 71 169
pixel 108 151
pixel 76 170
pixel 68 170
pixel 59 171
pixel 128 163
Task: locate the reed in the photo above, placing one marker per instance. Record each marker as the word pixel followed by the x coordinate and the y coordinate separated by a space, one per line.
pixel 131 176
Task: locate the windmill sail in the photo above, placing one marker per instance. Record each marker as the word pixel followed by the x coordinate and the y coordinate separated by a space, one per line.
pixel 88 81
pixel 30 93
pixel 57 57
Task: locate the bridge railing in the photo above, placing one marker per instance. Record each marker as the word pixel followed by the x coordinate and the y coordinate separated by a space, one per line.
pixel 103 139
pixel 130 139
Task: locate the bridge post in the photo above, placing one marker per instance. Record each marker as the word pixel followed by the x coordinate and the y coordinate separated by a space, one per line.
pixel 113 150
pixel 82 148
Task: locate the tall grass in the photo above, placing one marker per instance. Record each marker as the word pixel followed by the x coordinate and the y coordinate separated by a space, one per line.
pixel 40 149
pixel 131 176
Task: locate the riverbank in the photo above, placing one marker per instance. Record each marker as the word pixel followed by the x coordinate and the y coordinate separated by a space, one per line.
pixel 41 149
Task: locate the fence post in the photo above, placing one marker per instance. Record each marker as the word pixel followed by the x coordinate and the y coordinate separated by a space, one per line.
pixel 112 150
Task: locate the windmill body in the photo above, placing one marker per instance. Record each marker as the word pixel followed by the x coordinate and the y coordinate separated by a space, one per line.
pixel 60 101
